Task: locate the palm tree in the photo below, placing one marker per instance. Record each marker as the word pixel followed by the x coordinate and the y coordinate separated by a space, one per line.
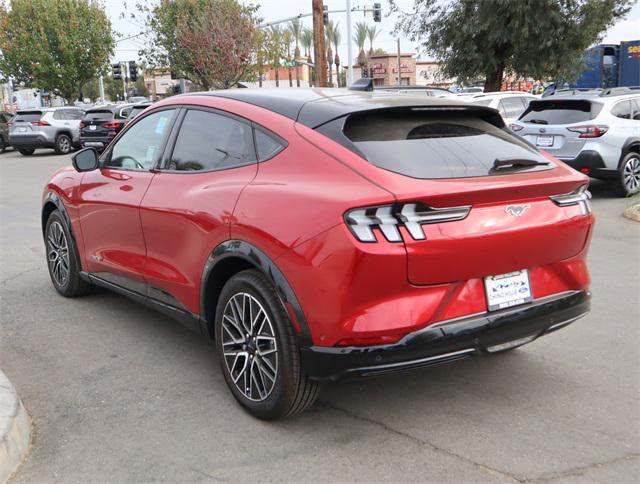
pixel 360 37
pixel 306 39
pixel 307 42
pixel 287 38
pixel 336 42
pixel 275 50
pixel 372 33
pixel 329 33
pixel 295 27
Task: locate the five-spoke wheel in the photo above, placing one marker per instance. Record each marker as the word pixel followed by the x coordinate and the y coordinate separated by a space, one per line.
pixel 58 253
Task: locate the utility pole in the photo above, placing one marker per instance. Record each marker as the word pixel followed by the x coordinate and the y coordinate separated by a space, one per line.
pixel 349 51
pixel 101 85
pixel 399 71
pixel 320 54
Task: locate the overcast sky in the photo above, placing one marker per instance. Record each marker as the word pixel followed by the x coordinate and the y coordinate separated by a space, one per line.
pixel 627 29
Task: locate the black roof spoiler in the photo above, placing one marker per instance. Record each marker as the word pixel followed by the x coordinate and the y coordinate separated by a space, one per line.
pixel 362 84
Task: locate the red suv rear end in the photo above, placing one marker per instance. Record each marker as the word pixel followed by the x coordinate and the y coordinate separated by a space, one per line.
pixel 320 235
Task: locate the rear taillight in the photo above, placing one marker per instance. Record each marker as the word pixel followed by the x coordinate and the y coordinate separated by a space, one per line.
pixel 82 125
pixel 516 127
pixel 580 196
pixel 388 218
pixel 112 125
pixel 589 131
pixel 40 123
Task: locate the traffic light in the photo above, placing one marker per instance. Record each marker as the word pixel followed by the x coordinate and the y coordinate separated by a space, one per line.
pixel 117 71
pixel 325 15
pixel 377 12
pixel 133 71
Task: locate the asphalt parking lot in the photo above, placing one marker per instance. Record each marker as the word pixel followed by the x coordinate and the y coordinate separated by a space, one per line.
pixel 119 393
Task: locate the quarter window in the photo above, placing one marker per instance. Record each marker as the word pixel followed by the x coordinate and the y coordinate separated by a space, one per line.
pixel 139 147
pixel 267 146
pixel 622 110
pixel 636 110
pixel 209 141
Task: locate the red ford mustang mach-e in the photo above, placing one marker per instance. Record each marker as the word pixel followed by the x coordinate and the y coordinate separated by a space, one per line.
pixel 318 235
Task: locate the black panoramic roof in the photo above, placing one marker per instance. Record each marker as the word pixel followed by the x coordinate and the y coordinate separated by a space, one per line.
pixel 314 107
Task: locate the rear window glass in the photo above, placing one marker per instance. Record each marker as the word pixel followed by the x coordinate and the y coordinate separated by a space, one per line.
pixel 435 144
pixel 28 116
pixel 98 115
pixel 560 112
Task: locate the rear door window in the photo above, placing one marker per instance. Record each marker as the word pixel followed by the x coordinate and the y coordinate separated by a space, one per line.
pixel 433 144
pixel 209 141
pixel 560 111
pixel 512 107
pixel 636 109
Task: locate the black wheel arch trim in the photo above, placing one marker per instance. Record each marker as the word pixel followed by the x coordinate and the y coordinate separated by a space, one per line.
pixel 628 145
pixel 256 257
pixel 53 197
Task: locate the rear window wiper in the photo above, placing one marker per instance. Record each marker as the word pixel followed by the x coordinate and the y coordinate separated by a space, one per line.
pixel 537 121
pixel 510 163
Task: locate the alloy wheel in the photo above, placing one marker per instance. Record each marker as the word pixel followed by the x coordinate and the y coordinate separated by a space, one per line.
pixel 631 174
pixel 58 253
pixel 249 346
pixel 64 145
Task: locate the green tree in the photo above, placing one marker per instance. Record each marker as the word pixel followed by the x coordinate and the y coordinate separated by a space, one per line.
pixel 307 42
pixel 211 42
pixel 532 38
pixel 337 38
pixel 295 27
pixel 58 45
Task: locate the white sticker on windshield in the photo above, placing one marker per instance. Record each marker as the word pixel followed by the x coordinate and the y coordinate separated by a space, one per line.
pixel 151 151
pixel 162 122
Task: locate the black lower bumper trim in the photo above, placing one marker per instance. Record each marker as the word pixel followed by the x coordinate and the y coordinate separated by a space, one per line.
pixel 448 341
pixel 592 163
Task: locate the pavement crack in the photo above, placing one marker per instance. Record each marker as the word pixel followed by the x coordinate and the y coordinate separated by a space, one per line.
pixel 15 276
pixel 579 471
pixel 419 441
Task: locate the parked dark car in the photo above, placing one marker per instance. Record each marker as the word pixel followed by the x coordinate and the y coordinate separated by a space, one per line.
pixel 5 122
pixel 136 109
pixel 101 124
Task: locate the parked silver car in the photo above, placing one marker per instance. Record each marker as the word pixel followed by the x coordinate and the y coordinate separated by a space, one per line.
pixel 510 104
pixel 595 133
pixel 57 128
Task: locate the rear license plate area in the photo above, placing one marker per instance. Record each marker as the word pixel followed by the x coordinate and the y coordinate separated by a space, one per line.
pixel 544 141
pixel 507 290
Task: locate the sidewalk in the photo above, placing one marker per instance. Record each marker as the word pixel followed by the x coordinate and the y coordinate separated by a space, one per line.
pixel 15 429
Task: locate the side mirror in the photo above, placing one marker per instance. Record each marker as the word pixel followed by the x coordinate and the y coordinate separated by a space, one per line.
pixel 85 160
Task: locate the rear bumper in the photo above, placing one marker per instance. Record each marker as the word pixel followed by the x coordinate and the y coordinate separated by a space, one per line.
pixel 33 141
pixel 591 163
pixel 447 341
pixel 99 142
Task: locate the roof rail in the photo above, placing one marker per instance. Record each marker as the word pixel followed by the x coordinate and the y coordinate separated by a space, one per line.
pixel 574 92
pixel 620 91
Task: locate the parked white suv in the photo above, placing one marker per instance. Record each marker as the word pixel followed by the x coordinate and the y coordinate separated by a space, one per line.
pixel 510 104
pixel 595 133
pixel 57 128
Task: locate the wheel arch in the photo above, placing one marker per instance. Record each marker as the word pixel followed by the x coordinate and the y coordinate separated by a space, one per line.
pixel 630 145
pixel 52 201
pixel 233 256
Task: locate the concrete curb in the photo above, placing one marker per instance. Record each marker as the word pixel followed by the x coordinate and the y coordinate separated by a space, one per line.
pixel 633 212
pixel 15 429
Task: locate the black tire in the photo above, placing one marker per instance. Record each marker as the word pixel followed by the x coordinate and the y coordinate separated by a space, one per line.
pixel 63 144
pixel 291 391
pixel 57 237
pixel 627 182
pixel 27 151
pixel 3 145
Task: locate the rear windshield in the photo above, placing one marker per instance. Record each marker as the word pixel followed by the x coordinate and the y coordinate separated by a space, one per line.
pixel 560 111
pixel 28 116
pixel 98 115
pixel 441 144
